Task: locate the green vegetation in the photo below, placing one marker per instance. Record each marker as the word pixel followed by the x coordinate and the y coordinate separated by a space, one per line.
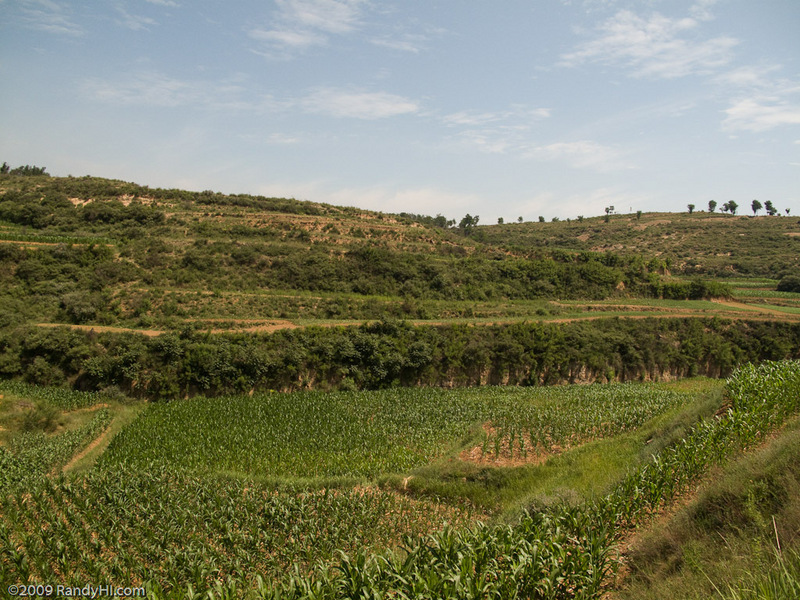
pixel 231 537
pixel 391 353
pixel 32 455
pixel 227 396
pixel 109 253
pixel 310 435
pixel 704 244
pixel 790 283
pixel 181 529
pixel 737 539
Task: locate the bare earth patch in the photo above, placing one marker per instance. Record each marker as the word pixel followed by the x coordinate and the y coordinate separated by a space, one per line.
pixel 643 226
pixel 534 455
pixel 101 328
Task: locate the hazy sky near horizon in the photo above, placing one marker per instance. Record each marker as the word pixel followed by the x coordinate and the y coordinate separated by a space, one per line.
pixel 500 108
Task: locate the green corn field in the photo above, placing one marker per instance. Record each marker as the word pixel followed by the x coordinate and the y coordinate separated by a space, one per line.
pixel 163 508
pixel 364 434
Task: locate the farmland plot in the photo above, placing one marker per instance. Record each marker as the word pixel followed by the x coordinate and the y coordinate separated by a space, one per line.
pixel 365 434
pixel 146 516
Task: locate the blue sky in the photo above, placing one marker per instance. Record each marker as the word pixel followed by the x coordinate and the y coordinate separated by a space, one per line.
pixel 500 108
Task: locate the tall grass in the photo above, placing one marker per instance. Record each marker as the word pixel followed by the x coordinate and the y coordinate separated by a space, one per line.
pixel 781 582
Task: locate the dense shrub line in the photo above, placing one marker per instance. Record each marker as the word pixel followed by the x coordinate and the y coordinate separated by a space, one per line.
pixel 391 353
pixel 79 257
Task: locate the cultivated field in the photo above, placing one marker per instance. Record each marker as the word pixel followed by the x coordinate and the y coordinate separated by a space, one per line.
pixel 162 507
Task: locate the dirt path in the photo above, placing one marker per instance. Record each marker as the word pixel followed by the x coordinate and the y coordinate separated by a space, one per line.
pixel 101 328
pixel 91 408
pixel 661 519
pixel 100 439
pixel 750 312
pixel 753 307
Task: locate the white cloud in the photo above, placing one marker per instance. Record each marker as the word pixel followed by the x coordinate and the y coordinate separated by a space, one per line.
pixel 499 140
pixel 759 101
pixel 419 200
pixel 496 132
pixel 657 47
pixel 583 154
pixel 701 10
pixel 282 139
pixel 407 43
pixel 50 16
pixel 297 39
pixel 300 24
pixel 589 203
pixel 156 89
pixel 133 22
pixel 472 118
pixel 357 105
pixel 510 132
pixel 748 76
pixel 518 114
pixel 761 114
pixel 333 16
pixel 424 200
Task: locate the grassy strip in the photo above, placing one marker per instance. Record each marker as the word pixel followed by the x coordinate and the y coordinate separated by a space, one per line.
pixel 735 540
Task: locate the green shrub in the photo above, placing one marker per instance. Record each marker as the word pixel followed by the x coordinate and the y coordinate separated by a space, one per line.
pixel 42 417
pixel 789 283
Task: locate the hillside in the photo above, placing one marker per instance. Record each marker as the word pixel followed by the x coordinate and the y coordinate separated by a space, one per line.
pixel 104 253
pixel 702 243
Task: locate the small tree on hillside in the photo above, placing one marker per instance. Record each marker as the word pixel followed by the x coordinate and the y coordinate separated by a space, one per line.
pixel 732 207
pixel 787 212
pixel 440 221
pixel 770 208
pixel 467 223
pixel 541 219
pixel 756 206
pixel 499 220
pixel 4 169
pixel 712 205
pixel 690 207
pixel 519 219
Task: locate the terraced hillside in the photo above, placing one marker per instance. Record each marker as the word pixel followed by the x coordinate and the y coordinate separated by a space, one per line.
pixel 100 253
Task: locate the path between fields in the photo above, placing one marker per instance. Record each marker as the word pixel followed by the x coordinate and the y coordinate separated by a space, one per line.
pixel 751 307
pixel 91 445
pixel 750 312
